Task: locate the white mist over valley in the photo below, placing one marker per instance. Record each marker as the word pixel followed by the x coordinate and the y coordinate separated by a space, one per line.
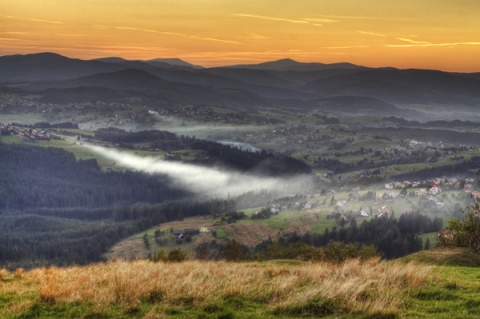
pixel 207 181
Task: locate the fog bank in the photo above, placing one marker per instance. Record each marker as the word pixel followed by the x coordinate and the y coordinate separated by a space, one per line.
pixel 208 181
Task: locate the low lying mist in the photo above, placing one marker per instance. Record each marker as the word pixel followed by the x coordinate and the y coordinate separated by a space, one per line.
pixel 207 181
pixel 181 126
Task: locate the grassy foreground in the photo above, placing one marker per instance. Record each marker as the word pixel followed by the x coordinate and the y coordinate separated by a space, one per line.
pixel 195 289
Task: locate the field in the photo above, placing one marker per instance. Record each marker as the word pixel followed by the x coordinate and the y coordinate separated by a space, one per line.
pixel 193 289
pixel 275 289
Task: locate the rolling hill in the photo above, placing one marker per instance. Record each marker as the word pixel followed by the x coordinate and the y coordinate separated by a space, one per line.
pixel 283 83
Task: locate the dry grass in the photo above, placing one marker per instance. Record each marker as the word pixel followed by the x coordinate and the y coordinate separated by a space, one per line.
pixel 356 286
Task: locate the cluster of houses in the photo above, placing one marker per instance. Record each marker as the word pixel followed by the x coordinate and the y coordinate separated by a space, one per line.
pixel 432 187
pixel 204 113
pixel 28 135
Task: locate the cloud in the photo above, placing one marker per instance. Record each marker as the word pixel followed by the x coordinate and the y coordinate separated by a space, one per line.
pixel 16 32
pixel 348 47
pixel 257 36
pixel 340 17
pixel 176 34
pixel 205 181
pixel 317 22
pixel 428 44
pixel 321 20
pixel 9 39
pixel 32 19
pixel 373 34
pixel 413 41
pixel 254 16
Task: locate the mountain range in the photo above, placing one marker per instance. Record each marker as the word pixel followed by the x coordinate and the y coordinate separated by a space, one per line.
pixel 309 87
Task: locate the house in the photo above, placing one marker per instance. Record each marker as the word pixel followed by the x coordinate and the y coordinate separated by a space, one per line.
pixel 435 191
pixel 420 192
pixel 365 211
pixel 389 186
pixel 468 188
pixel 307 206
pixel 274 210
pixel 178 233
pixel 435 184
pixel 476 195
pixel 341 203
pixel 407 184
pixel 383 211
pixel 204 229
pixel 390 195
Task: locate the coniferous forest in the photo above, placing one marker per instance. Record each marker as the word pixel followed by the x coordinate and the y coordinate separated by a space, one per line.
pixel 57 209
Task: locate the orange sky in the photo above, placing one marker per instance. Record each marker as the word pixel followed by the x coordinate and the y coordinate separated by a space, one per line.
pixel 429 34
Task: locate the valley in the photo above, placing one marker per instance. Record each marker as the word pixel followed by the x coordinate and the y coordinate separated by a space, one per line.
pixel 136 169
pixel 239 159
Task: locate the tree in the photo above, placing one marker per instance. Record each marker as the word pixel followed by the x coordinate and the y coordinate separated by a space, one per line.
pixel 234 251
pixel 466 232
pixel 427 244
pixel 146 242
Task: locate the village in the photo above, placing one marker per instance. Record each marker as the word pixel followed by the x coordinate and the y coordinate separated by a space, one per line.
pixel 28 135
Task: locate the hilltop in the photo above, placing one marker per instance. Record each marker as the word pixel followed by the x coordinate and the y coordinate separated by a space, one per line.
pixel 192 289
pixel 275 289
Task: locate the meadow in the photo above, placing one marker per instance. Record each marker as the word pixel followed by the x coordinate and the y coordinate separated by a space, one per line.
pixel 195 289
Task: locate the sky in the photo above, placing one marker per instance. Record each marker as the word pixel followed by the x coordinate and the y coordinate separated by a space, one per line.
pixel 426 34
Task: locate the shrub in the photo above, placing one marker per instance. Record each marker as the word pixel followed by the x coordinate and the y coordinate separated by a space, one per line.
pixel 177 255
pixel 160 255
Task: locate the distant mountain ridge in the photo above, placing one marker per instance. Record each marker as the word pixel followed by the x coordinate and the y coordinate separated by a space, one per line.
pixel 292 65
pixel 285 83
pixel 175 61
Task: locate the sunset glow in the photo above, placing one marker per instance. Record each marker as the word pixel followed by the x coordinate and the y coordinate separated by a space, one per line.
pixel 439 34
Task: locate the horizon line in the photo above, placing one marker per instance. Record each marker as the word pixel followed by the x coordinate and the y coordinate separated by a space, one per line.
pixel 239 64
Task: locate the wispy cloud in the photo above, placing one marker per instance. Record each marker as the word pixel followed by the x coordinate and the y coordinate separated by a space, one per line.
pixel 348 47
pixel 15 32
pixel 318 22
pixel 101 27
pixel 9 39
pixel 257 36
pixel 372 34
pixel 413 43
pixel 254 16
pixel 176 34
pixel 345 17
pixel 32 19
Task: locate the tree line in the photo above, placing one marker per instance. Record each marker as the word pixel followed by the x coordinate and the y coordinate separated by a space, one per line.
pixel 386 236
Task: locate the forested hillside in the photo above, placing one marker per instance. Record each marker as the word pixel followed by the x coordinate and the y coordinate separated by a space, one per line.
pixel 50 177
pixel 55 209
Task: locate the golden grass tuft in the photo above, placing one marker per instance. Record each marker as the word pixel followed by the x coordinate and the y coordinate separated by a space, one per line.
pixel 357 286
pixel 19 272
pixel 4 275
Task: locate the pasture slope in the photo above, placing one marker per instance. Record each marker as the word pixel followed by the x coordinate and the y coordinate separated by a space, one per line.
pixel 408 288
